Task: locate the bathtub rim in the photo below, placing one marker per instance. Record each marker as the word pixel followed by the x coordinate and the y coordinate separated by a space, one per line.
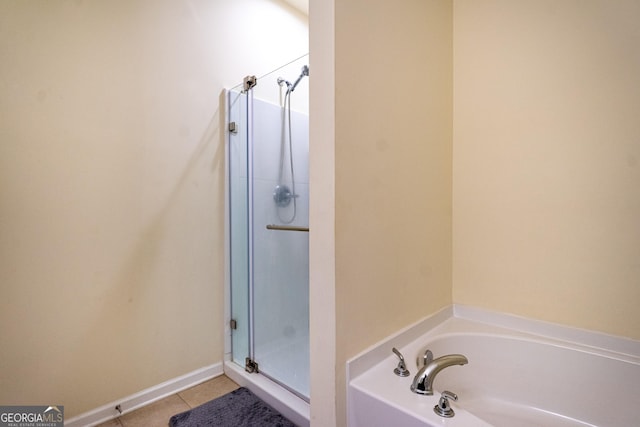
pixel 451 317
pixel 598 341
pixel 590 341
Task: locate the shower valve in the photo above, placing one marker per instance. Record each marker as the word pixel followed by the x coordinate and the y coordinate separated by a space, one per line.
pixel 282 196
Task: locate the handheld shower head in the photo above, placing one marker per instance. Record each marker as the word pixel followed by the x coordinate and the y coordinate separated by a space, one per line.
pixel 304 72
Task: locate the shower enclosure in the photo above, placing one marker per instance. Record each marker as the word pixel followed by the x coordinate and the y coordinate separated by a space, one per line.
pixel 268 214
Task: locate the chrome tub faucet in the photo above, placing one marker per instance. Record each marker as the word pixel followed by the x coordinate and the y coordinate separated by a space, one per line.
pixel 423 381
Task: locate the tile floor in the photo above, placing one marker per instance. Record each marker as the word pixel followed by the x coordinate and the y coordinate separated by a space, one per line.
pixel 158 413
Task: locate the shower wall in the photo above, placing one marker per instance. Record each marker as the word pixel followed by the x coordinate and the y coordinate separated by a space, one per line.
pixel 281 258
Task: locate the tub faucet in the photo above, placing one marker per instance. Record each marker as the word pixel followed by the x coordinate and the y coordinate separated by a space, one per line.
pixel 423 381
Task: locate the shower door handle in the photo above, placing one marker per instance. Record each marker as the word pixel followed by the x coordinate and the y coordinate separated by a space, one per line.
pixel 286 227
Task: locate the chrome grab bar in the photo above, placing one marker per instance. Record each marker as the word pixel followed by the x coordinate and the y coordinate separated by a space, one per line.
pixel 286 227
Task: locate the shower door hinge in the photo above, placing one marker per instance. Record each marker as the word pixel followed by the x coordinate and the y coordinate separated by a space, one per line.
pixel 249 82
pixel 250 366
pixel 233 324
pixel 233 127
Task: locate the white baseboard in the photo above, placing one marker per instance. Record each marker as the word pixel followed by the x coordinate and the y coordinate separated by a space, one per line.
pixel 145 397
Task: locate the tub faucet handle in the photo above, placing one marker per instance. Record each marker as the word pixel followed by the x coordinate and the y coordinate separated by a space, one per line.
pixel 401 370
pixel 443 408
pixel 426 359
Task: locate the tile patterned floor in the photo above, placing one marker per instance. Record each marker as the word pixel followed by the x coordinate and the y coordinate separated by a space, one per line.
pixel 158 413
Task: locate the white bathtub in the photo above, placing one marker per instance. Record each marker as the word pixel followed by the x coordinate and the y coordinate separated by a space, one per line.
pixel 536 375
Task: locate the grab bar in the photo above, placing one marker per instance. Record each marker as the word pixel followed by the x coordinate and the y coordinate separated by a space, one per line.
pixel 286 227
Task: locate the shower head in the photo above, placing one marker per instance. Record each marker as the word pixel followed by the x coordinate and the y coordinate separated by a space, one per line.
pixel 304 72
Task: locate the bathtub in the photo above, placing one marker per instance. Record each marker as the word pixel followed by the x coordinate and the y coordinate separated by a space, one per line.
pixel 520 373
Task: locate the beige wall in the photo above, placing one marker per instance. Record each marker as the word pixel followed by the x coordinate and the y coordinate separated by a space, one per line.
pixel 545 168
pixel 392 169
pixel 547 160
pixel 393 165
pixel 111 187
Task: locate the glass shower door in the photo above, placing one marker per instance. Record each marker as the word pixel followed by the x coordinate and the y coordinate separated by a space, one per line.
pixel 272 249
pixel 238 210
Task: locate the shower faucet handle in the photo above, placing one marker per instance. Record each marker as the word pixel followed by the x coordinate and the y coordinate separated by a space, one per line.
pixel 401 370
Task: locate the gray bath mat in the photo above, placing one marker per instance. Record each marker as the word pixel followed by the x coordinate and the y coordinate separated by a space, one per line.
pixel 240 408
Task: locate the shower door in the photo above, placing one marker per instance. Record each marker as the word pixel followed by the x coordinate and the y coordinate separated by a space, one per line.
pixel 269 199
